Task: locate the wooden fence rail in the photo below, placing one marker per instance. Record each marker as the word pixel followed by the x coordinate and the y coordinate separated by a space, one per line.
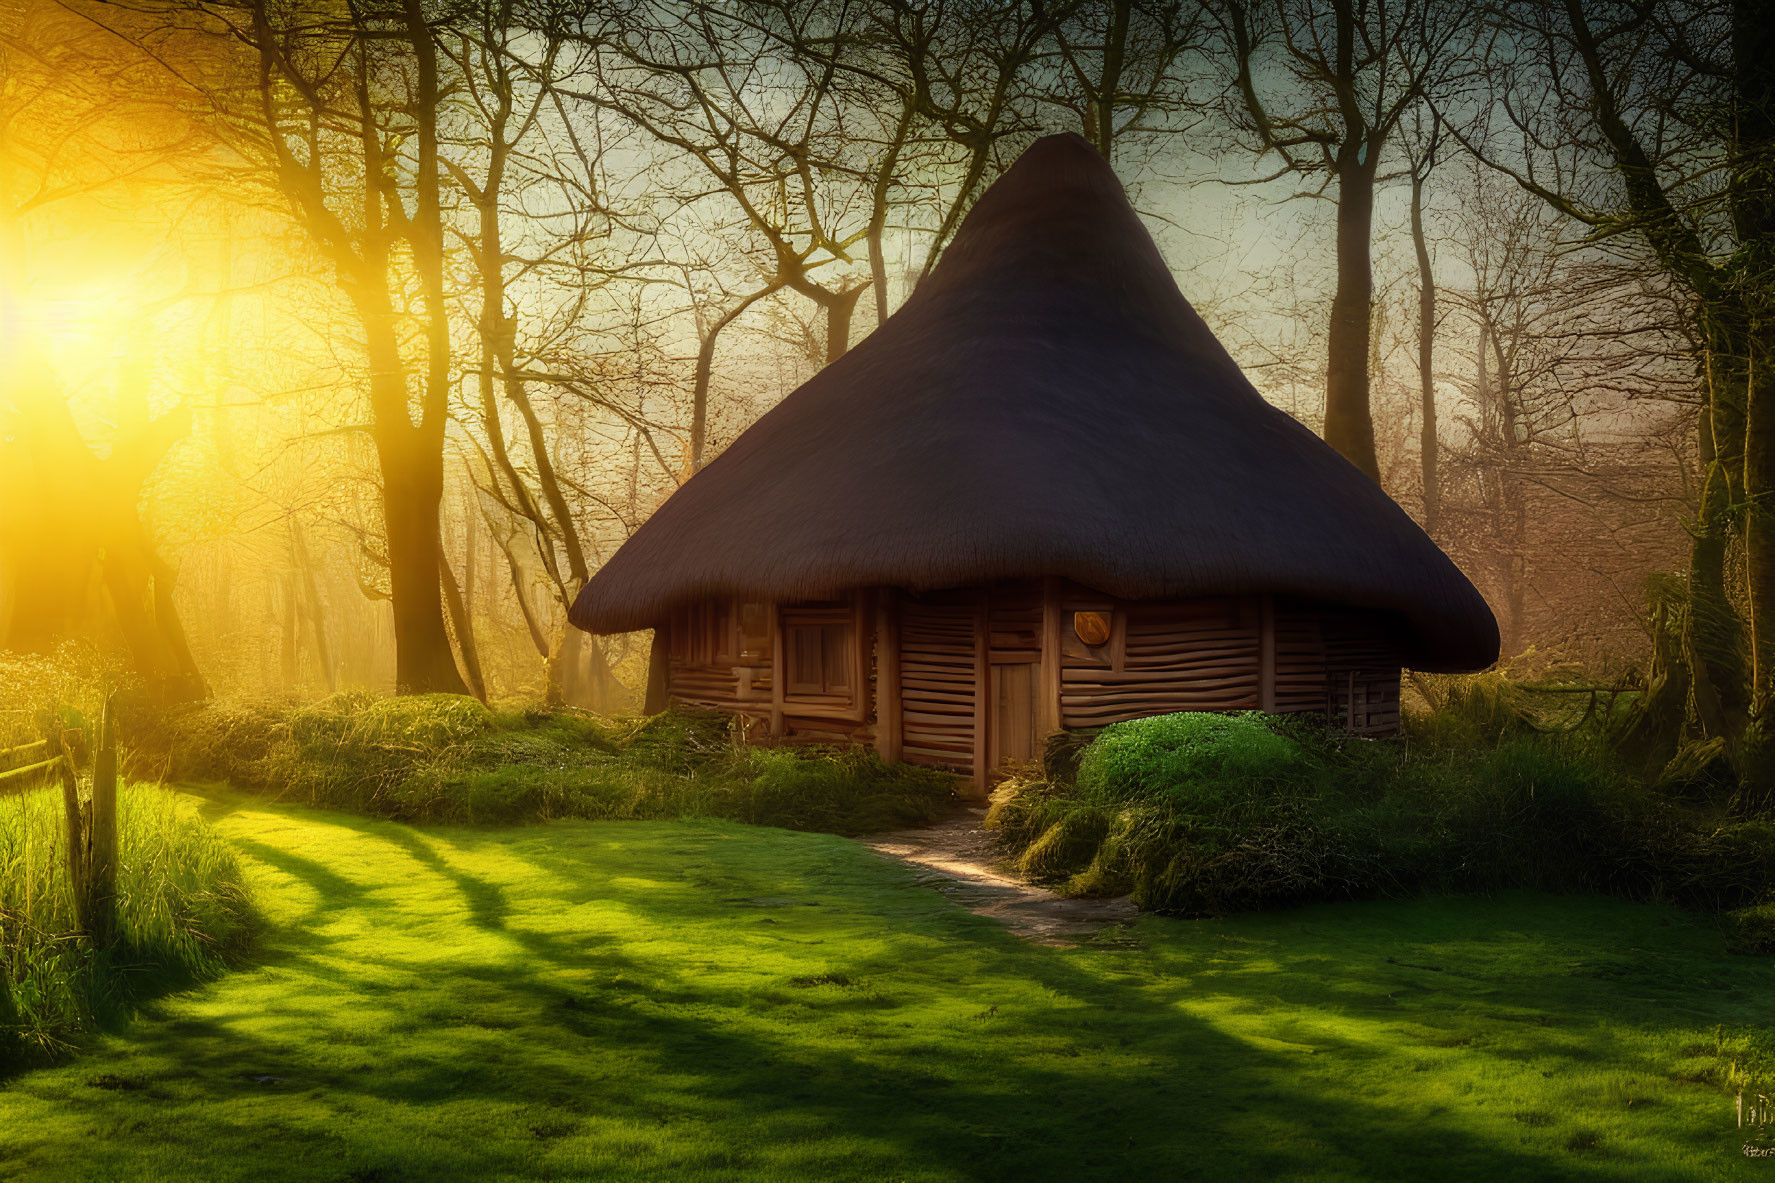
pixel 91 823
pixel 28 767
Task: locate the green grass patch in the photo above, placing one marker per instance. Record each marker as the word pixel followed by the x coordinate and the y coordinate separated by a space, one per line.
pixel 442 758
pixel 183 915
pixel 700 1000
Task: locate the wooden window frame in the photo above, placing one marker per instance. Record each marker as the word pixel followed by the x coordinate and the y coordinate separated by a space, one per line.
pixel 833 651
pixel 853 645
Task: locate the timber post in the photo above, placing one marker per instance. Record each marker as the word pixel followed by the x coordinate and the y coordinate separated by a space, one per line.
pixel 888 720
pixel 76 816
pixel 91 824
pixel 862 654
pixel 1048 716
pixel 779 672
pixel 982 694
pixel 1266 655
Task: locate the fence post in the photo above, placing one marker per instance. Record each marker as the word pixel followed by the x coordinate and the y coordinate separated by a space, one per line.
pixel 77 878
pixel 102 870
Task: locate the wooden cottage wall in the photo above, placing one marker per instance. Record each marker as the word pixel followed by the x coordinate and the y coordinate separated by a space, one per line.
pixel 704 666
pixel 949 667
pixel 814 717
pixel 706 669
pixel 1362 668
pixel 1190 655
pixel 938 696
pixel 1340 662
pixel 1227 654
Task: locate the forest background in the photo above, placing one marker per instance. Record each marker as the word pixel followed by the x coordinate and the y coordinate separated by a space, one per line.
pixel 344 341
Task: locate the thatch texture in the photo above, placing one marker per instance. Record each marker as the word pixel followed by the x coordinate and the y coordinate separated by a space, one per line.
pixel 1047 403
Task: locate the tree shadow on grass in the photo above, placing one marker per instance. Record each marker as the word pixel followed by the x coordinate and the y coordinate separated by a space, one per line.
pixel 591 1016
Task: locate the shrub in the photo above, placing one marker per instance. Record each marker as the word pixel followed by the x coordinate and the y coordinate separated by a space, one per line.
pixel 1192 753
pixel 445 758
pixel 1750 930
pixel 1472 711
pixel 1207 814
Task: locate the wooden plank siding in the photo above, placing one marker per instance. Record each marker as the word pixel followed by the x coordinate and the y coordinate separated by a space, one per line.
pixel 1193 655
pixel 1362 693
pixel 937 683
pixel 914 673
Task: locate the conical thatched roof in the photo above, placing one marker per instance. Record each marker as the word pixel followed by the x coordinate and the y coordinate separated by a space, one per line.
pixel 1047 403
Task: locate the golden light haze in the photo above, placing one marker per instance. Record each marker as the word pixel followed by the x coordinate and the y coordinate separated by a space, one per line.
pixel 229 313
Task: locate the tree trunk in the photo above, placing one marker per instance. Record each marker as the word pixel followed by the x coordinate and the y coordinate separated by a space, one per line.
pixel 412 487
pixel 838 322
pixel 531 623
pixel 316 613
pixel 884 177
pixel 1652 727
pixel 287 652
pixel 84 521
pixel 463 626
pixel 563 666
pixel 1713 635
pixel 1428 444
pixel 1349 427
pixel 186 682
pixel 705 369
pixel 1759 526
pixel 1102 127
pixel 1515 598
pixel 1753 215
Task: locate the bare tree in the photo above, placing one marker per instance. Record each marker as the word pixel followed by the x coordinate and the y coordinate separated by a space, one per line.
pixel 337 114
pixel 1323 88
pixel 1650 124
pixel 1560 492
pixel 1422 148
pixel 1119 66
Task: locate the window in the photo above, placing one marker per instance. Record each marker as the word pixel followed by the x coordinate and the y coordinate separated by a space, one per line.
pixel 819 659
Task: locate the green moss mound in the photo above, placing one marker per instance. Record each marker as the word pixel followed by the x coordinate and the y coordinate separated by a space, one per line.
pixel 1191 754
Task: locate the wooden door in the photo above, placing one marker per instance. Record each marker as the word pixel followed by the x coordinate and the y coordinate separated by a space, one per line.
pixel 1013 714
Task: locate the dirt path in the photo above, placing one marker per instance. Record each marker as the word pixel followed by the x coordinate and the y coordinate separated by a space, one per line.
pixel 964 865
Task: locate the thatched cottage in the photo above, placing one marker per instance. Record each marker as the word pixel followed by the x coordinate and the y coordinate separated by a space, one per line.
pixel 1040 496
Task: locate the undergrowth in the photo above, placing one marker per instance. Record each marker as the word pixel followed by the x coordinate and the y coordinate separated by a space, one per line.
pixel 442 758
pixel 183 915
pixel 1207 814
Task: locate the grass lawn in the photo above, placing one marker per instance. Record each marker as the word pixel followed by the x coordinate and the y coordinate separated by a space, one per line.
pixel 681 1000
